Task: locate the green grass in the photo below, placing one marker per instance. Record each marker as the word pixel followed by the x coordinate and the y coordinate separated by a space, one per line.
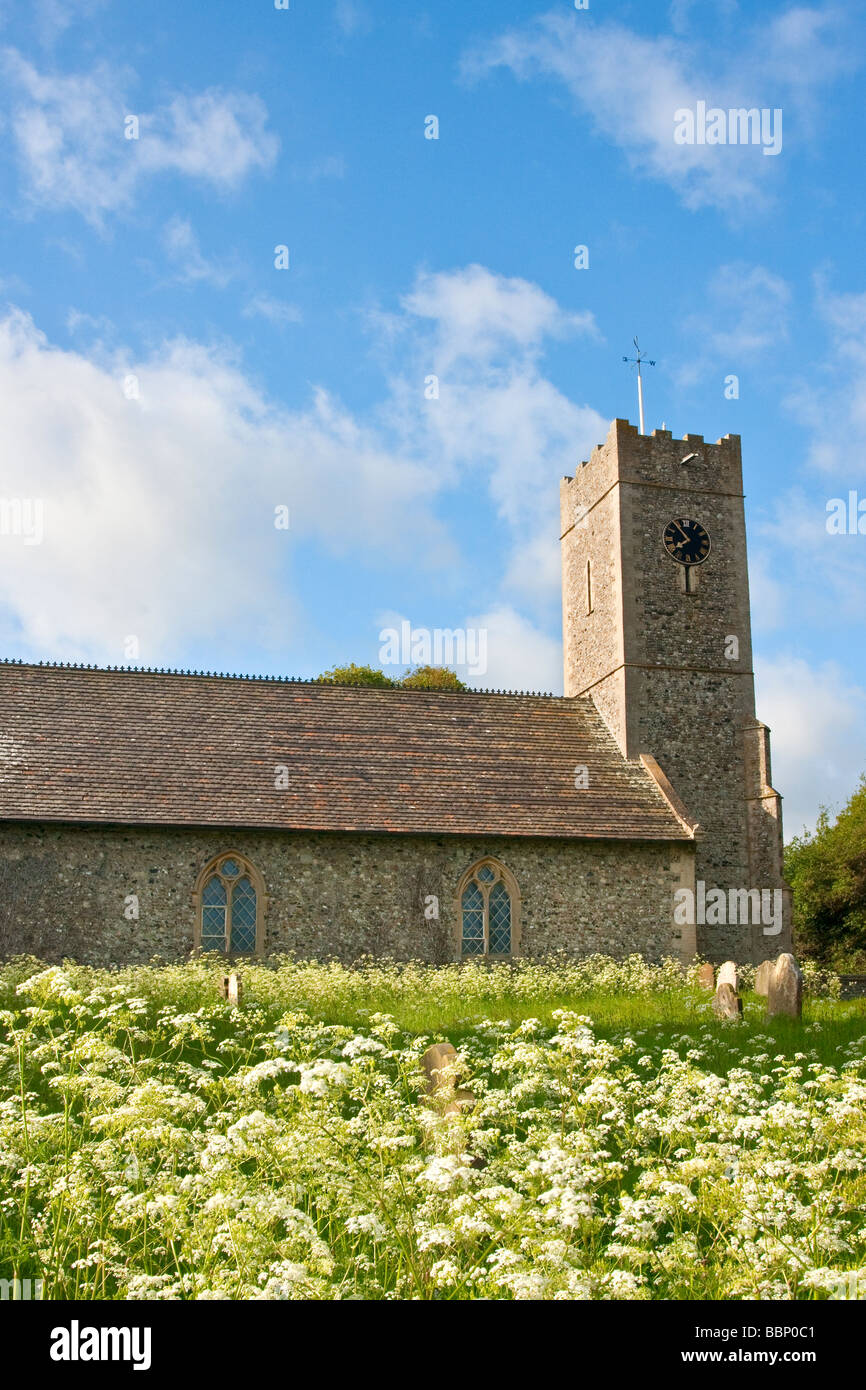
pixel 438 1000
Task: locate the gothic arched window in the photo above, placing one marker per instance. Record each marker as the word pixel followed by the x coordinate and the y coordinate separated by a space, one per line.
pixel 488 911
pixel 230 904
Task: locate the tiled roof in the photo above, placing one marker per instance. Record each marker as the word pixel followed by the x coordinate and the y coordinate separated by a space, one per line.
pixel 153 748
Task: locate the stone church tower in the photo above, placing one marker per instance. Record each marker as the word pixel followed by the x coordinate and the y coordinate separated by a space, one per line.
pixel 657 632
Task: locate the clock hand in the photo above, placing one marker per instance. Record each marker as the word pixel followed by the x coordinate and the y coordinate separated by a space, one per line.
pixel 681 531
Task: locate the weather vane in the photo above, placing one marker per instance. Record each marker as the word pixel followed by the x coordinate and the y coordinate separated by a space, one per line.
pixel 637 361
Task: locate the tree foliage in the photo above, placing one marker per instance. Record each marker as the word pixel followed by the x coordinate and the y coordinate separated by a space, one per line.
pixel 356 675
pixel 432 678
pixel 827 871
pixel 422 678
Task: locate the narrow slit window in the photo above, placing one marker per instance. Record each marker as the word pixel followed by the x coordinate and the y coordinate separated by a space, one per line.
pixel 589 586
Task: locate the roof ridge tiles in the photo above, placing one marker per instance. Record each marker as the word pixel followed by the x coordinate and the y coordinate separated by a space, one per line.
pixel 234 675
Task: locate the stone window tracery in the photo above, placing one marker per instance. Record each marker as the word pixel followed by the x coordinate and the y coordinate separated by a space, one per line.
pixel 230 903
pixel 488 912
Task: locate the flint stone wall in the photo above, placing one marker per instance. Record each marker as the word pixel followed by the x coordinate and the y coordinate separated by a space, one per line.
pixel 63 889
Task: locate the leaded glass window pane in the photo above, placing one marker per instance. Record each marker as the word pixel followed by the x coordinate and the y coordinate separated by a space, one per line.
pixel 486 874
pixel 230 868
pixel 243 916
pixel 499 910
pixel 213 915
pixel 473 921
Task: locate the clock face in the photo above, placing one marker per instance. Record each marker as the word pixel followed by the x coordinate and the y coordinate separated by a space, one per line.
pixel 686 541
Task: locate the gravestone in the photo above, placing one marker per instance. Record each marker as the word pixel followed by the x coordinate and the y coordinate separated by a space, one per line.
pixel 726 1002
pixel 434 1062
pixel 785 992
pixel 707 976
pixel 728 975
pixel 232 989
pixel 447 1098
pixel 462 1100
pixel 762 976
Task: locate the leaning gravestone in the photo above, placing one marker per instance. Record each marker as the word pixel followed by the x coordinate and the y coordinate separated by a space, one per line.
pixel 726 1002
pixel 446 1097
pixel 762 976
pixel 707 976
pixel 785 992
pixel 435 1061
pixel 728 975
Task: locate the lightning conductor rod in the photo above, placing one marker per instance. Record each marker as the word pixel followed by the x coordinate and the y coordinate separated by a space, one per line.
pixel 637 362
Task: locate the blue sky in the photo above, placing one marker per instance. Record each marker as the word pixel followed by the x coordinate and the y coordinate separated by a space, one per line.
pixel 165 387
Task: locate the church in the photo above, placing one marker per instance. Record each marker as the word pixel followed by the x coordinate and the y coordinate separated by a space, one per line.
pixel 154 813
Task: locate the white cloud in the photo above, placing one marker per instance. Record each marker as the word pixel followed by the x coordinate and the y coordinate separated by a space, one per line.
pixel 823 575
pixel 629 86
pixel 801 573
pixel 13 285
pixel 767 595
pixel 515 426
pixel 481 315
pixel 519 655
pixel 831 401
pixel 68 134
pixel 352 18
pixel 170 489
pixel 183 250
pixel 818 723
pixel 504 650
pixel 807 45
pixel 276 311
pixel 330 166
pixel 757 302
pixel 496 414
pixel 535 568
pixel 215 136
pixel 156 522
pixel 746 316
pixel 55 16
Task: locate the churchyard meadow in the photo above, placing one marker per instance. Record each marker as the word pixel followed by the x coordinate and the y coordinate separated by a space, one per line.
pixel 619 1141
